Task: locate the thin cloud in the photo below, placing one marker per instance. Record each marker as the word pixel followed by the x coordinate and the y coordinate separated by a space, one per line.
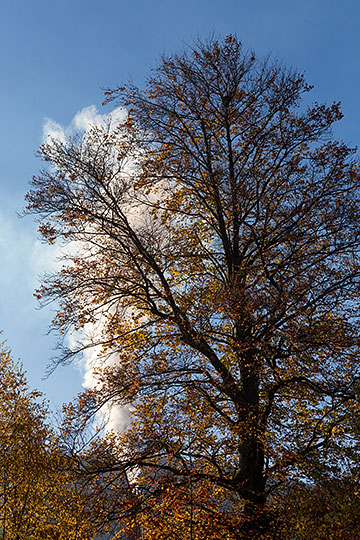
pixel 23 257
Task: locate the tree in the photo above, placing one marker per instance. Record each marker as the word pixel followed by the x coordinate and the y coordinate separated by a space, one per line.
pixel 328 509
pixel 41 497
pixel 27 458
pixel 215 247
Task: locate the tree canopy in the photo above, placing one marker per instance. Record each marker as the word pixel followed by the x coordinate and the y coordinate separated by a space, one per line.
pixel 42 496
pixel 24 458
pixel 215 239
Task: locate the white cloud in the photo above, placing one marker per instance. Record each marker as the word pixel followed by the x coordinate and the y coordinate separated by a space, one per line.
pixel 82 122
pixel 89 116
pixel 116 417
pixel 53 130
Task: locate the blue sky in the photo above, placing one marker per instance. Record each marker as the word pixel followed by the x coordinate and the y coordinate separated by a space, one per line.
pixel 55 58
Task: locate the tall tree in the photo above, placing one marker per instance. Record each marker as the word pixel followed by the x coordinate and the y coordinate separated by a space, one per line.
pixel 216 247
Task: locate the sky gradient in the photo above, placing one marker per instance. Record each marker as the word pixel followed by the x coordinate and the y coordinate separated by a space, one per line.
pixel 55 60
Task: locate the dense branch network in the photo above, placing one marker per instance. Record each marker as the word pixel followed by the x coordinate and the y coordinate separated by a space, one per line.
pixel 217 233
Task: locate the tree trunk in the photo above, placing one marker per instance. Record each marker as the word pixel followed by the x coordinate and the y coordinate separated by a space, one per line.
pixel 250 478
